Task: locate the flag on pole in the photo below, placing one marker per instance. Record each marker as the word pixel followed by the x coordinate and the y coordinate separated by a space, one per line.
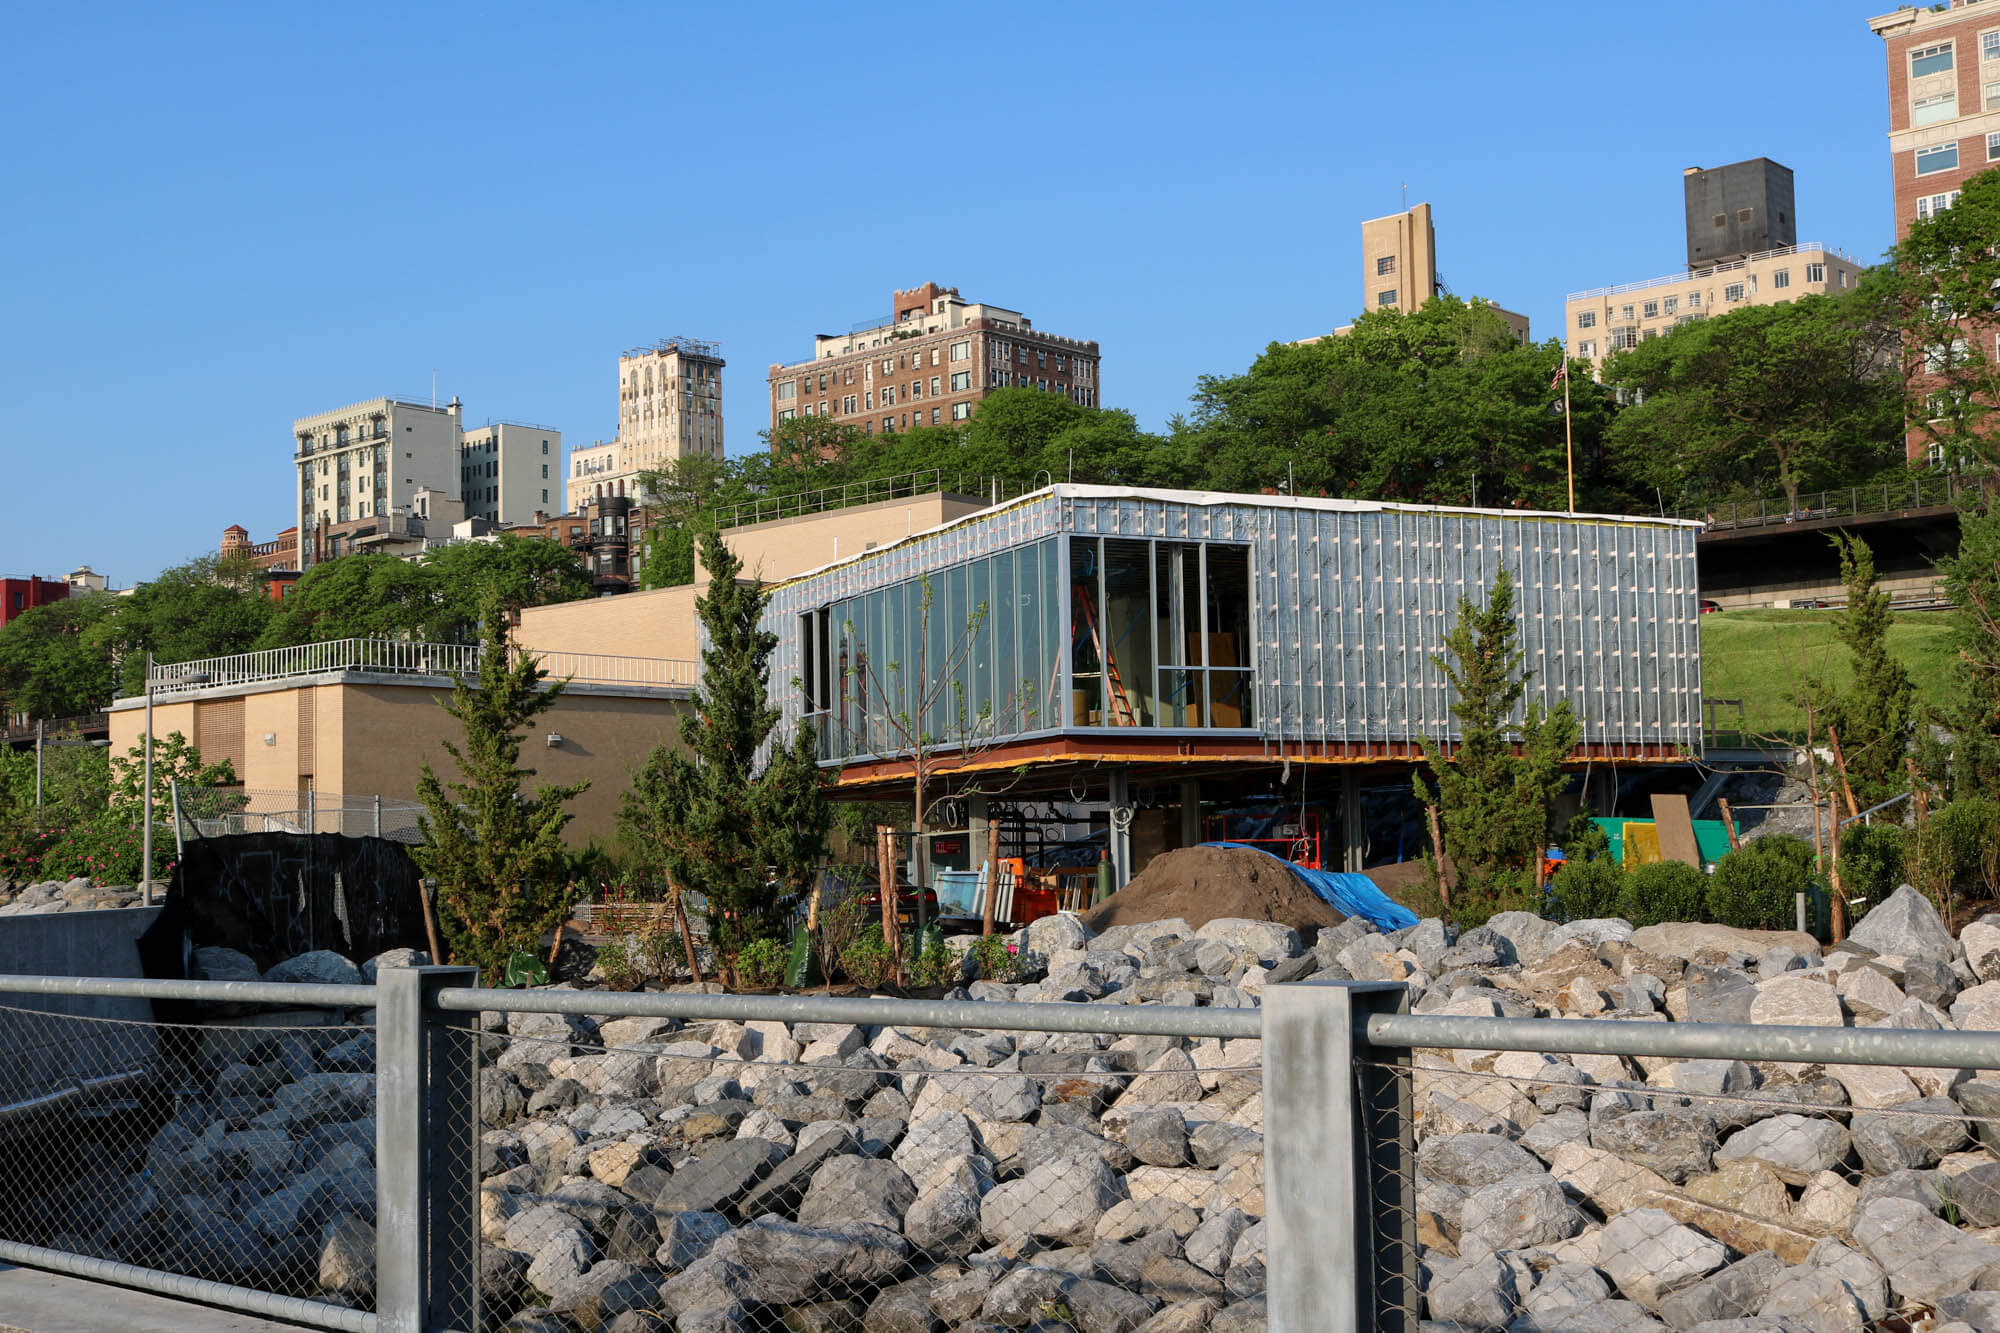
pixel 1562 372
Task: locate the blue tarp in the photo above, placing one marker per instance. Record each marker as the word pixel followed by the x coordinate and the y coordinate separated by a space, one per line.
pixel 1355 895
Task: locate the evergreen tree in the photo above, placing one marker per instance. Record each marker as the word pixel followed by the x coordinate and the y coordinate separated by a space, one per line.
pixel 1875 714
pixel 1972 582
pixel 495 852
pixel 1493 803
pixel 703 815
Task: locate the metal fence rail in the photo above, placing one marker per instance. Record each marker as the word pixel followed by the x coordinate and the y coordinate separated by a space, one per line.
pixel 395 657
pixel 1889 497
pixel 1326 1159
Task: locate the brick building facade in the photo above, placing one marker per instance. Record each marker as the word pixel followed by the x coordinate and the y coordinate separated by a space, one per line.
pixel 1944 127
pixel 929 363
pixel 19 595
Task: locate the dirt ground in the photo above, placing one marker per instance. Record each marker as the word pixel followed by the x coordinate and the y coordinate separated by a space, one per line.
pixel 1202 884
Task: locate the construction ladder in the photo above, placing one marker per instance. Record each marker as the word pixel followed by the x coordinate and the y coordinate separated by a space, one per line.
pixel 1116 704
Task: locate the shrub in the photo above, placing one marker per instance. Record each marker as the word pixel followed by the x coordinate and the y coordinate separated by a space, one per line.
pixel 1664 891
pixel 867 961
pixel 1871 861
pixel 614 960
pixel 995 961
pixel 1753 888
pixel 761 963
pixel 1582 890
pixel 1953 851
pixel 935 965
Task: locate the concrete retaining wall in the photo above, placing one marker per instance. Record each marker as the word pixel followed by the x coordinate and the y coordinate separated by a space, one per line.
pixel 40 1049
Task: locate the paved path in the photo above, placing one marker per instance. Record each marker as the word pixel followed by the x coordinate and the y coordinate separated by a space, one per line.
pixel 32 1301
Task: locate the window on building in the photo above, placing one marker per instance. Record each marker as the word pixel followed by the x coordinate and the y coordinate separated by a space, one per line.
pixel 1992 98
pixel 1021 355
pixel 1936 158
pixel 1586 319
pixel 1815 274
pixel 1929 206
pixel 1694 300
pixel 935 412
pixel 888 366
pixel 888 395
pixel 1673 304
pixel 786 414
pixel 936 381
pixel 1652 310
pixel 1993 148
pixel 1587 348
pixel 1625 312
pixel 1931 110
pixel 545 495
pixel 1385 266
pixel 1944 356
pixel 935 351
pixel 1935 59
pixel 847 403
pixel 1385 299
pixel 1989 45
pixel 545 447
pixel 961 380
pixel 1621 339
pixel 888 425
pixel 787 391
pixel 1733 292
pixel 961 351
pixel 961 411
pixel 868 400
pixel 1781 278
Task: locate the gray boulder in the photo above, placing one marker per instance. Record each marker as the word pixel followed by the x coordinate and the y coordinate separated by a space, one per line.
pixel 1797 1147
pixel 1526 1212
pixel 1472 1161
pixel 1906 924
pixel 1057 1202
pixel 858 1190
pixel 1913 1135
pixel 784 1263
pixel 1649 1254
pixel 1925 1258
pixel 216 963
pixel 321 967
pixel 716 1180
pixel 1677 1142
pixel 1474 1293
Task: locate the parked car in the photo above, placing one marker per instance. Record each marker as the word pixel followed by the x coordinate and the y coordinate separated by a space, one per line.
pixel 1707 606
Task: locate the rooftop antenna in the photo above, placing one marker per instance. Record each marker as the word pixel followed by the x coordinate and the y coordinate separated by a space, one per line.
pixel 434 388
pixel 1406 196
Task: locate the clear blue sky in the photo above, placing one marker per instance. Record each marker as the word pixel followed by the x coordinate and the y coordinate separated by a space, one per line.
pixel 224 217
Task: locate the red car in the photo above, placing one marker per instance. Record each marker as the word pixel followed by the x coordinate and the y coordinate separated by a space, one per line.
pixel 1708 606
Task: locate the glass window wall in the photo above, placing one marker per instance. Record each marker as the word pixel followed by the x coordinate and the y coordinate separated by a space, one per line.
pixel 1159 634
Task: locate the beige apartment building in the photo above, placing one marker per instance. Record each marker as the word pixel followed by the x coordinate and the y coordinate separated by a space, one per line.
pixel 669 407
pixel 929 363
pixel 1399 269
pixel 507 470
pixel 1607 319
pixel 367 461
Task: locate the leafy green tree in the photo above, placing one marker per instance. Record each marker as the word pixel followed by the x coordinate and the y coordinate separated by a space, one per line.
pixel 1493 803
pixel 703 815
pixel 495 851
pixel 52 659
pixel 208 607
pixel 1947 271
pixel 1972 582
pixel 438 598
pixel 1804 393
pixel 1438 405
pixel 1875 714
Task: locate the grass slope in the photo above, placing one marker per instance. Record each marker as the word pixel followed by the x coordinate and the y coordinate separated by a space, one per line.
pixel 1761 657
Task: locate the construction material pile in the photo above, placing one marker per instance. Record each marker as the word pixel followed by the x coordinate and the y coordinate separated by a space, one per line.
pixel 1203 884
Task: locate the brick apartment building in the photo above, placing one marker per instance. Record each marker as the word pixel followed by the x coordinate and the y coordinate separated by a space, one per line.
pixel 927 365
pixel 19 595
pixel 1944 124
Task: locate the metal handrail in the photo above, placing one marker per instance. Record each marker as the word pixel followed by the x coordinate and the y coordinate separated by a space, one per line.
pixel 1696 275
pixel 408 658
pixel 1774 509
pixel 928 481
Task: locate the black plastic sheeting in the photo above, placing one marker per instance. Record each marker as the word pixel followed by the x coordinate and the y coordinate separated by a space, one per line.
pixel 276 895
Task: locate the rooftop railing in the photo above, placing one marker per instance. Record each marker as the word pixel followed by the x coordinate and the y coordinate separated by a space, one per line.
pixel 392 657
pixel 901 486
pixel 1696 275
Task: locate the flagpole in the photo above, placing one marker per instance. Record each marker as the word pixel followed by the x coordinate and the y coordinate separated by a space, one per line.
pixel 1569 446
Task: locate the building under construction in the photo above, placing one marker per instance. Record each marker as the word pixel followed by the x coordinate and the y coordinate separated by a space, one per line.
pixel 1138 670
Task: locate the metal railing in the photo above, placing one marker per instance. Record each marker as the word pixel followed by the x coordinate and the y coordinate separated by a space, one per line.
pixel 1696 275
pixel 1889 497
pixel 901 486
pixel 1356 1165
pixel 394 657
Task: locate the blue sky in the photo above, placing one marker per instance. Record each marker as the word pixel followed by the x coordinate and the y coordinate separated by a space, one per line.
pixel 221 218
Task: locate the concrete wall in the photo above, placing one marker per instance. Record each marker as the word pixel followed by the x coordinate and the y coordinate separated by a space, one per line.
pixel 359 737
pixel 785 547
pixel 41 1049
pixel 656 623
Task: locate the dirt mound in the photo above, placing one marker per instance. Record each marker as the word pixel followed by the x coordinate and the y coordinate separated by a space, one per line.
pixel 1203 884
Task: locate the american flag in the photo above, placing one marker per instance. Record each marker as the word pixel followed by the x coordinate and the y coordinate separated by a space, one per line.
pixel 1562 373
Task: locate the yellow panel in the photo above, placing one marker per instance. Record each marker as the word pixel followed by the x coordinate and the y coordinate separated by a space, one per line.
pixel 1642 843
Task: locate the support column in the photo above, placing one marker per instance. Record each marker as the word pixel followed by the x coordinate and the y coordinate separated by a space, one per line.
pixel 1120 838
pixel 1339 1161
pixel 426 1153
pixel 1191 812
pixel 1353 823
pixel 979 829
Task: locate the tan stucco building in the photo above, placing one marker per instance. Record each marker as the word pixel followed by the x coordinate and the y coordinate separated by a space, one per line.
pixel 1399 270
pixel 340 723
pixel 1606 319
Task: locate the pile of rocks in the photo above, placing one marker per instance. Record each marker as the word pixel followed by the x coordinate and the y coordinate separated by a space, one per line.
pixel 641 1174
pixel 54 895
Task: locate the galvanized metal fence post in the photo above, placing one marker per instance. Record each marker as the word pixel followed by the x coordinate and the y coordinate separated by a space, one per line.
pixel 426 1163
pixel 1339 1161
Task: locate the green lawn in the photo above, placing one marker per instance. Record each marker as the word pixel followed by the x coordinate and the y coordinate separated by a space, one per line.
pixel 1760 657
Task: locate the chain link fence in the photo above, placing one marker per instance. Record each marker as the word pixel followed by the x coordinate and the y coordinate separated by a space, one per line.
pixel 238 1150
pixel 827 1175
pixel 421 1154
